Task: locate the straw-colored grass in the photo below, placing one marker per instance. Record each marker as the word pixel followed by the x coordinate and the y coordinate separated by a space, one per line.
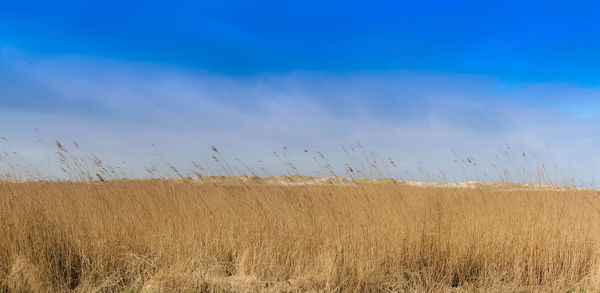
pixel 191 236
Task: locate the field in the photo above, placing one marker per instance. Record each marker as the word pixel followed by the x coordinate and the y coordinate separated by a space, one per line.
pixel 296 235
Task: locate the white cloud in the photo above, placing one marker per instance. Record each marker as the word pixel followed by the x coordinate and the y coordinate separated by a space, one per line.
pixel 117 109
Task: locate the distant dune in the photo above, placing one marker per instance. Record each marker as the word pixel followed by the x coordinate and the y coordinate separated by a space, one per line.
pixel 299 180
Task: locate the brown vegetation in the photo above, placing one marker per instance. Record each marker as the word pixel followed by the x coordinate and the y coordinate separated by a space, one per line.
pixel 246 235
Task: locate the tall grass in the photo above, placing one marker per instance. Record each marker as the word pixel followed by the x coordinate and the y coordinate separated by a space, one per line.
pixel 234 235
pixel 95 232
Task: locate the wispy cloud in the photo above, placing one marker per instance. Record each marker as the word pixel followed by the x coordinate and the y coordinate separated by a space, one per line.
pixel 117 109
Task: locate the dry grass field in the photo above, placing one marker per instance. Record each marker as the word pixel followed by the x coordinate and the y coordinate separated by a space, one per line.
pixel 256 235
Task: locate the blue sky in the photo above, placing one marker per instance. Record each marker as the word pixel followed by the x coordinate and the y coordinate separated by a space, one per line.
pixel 413 80
pixel 514 40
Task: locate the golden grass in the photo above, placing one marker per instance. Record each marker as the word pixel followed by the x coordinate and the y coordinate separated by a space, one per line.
pixel 186 236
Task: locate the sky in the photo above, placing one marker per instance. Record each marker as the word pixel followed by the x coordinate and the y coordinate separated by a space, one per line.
pixel 432 85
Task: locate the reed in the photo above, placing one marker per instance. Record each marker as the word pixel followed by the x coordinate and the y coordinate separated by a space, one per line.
pixel 253 234
pixel 92 228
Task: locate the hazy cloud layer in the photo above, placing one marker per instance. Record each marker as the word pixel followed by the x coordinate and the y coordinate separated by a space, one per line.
pixel 418 119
